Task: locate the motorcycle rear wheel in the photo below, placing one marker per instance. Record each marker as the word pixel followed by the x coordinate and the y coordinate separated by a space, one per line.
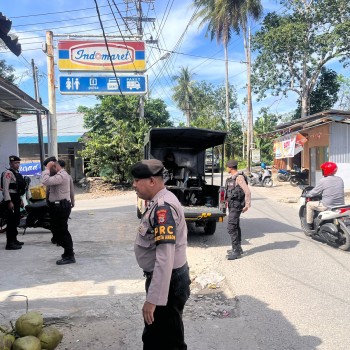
pixel 251 182
pixel 281 178
pixel 268 182
pixel 344 231
pixel 294 181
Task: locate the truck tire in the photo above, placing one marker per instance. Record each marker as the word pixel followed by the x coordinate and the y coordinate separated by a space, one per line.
pixel 210 227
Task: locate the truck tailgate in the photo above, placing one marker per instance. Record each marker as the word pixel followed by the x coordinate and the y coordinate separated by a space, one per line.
pixel 203 213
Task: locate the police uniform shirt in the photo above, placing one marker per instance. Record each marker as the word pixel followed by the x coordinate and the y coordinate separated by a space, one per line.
pixel 161 243
pixel 8 178
pixel 241 182
pixel 60 185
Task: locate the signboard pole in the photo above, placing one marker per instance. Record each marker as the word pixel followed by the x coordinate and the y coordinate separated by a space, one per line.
pixel 52 142
pixel 38 117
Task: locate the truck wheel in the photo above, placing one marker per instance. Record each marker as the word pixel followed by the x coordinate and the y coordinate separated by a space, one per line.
pixel 210 227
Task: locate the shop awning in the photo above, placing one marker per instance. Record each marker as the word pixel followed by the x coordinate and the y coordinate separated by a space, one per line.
pixel 14 102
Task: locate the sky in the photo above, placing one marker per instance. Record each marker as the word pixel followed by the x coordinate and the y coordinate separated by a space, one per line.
pixel 188 45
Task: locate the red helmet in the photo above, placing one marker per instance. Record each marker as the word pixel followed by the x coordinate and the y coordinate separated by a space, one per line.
pixel 329 168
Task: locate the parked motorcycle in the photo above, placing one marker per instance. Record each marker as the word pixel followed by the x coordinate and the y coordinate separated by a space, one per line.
pixel 331 226
pixel 263 178
pixel 283 175
pixel 35 213
pixel 299 177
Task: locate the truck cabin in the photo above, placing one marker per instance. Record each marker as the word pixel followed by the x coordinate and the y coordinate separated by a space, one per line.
pixel 183 153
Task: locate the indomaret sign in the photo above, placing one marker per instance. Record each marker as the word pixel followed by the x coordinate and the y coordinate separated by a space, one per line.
pixel 76 55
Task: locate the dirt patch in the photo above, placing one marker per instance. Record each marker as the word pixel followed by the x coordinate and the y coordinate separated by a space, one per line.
pixel 95 187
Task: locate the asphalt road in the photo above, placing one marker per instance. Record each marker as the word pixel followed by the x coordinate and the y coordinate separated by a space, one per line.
pixel 286 292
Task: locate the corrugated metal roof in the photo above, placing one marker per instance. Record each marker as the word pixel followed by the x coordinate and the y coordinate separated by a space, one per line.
pixel 60 139
pixel 310 121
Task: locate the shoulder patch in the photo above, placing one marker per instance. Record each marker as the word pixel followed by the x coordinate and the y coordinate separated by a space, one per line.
pixel 8 175
pixel 164 225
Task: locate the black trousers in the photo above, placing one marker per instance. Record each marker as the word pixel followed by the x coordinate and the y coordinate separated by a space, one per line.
pixel 59 215
pixel 13 219
pixel 167 330
pixel 234 230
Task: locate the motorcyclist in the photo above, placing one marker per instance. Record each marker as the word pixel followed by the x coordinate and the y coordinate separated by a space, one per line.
pixel 330 187
pixel 261 173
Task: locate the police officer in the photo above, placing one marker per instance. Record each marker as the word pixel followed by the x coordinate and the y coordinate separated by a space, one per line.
pixel 238 196
pixel 60 206
pixel 13 188
pixel 160 249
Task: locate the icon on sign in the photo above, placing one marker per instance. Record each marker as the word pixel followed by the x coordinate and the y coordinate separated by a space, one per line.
pixel 93 82
pixel 133 84
pixel 76 83
pixel 113 84
pixel 68 84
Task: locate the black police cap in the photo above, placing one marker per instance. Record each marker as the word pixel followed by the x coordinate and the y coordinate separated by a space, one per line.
pixel 14 159
pixel 61 162
pixel 232 163
pixel 50 159
pixel 147 168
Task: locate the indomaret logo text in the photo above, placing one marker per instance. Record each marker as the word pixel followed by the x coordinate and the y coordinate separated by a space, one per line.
pixel 96 54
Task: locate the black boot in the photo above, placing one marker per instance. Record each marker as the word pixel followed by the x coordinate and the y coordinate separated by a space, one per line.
pixel 13 246
pixel 239 247
pixel 18 242
pixel 66 260
pixel 234 254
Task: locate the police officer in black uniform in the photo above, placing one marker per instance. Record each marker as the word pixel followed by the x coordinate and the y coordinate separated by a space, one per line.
pixel 160 250
pixel 14 187
pixel 238 196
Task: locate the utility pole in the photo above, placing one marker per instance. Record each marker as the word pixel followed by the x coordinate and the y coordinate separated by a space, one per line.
pixel 38 116
pixel 250 129
pixel 139 20
pixel 52 137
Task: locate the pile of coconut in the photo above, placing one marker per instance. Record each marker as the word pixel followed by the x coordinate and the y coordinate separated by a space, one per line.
pixel 30 333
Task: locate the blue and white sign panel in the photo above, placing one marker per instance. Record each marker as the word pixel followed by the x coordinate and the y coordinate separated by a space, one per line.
pixel 30 168
pixel 102 85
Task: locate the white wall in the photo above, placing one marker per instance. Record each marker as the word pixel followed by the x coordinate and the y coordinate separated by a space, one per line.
pixel 344 173
pixel 8 144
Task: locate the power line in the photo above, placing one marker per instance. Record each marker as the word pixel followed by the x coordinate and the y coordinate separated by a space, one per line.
pixel 55 13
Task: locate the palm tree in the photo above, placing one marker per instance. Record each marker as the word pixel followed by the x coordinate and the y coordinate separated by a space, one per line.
pixel 223 17
pixel 183 92
pixel 220 15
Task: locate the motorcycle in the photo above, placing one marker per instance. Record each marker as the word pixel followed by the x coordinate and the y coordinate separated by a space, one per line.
pixel 299 177
pixel 263 178
pixel 35 213
pixel 283 175
pixel 331 226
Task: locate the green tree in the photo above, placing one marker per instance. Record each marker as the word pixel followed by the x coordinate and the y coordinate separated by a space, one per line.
pixel 293 48
pixel 183 92
pixel 344 98
pixel 325 94
pixel 209 105
pixel 7 71
pixel 115 139
pixel 264 124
